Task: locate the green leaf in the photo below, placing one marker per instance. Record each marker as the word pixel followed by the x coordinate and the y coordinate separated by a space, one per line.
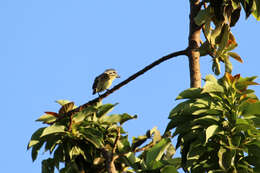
pixel 156 152
pixel 53 129
pixel 66 108
pixel 211 131
pixel 35 139
pixel 75 151
pixel 105 109
pixel 169 169
pixel 256 12
pixel 117 118
pixel 205 48
pixel 216 66
pixel 93 136
pixel 35 149
pixel 136 142
pixel 235 15
pixel 48 166
pixel 212 86
pixel 251 109
pixel 123 144
pixel 183 108
pixel 190 93
pixel 202 16
pixel 235 56
pixel 59 154
pixel 47 118
pixel 63 102
pixel 78 117
pixel 216 32
pixel 224 39
pixel 225 158
pixel 51 142
pixel 228 65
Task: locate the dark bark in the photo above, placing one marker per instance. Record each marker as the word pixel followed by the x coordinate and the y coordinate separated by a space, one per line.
pixel 194 43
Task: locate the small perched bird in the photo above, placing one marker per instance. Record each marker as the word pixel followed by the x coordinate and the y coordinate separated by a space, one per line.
pixel 104 81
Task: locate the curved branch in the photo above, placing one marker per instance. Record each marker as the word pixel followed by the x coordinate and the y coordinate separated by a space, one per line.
pixel 108 92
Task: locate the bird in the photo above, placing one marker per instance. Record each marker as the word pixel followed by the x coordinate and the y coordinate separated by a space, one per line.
pixel 104 81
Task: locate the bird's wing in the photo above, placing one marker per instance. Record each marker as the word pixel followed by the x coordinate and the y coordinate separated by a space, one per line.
pixel 102 77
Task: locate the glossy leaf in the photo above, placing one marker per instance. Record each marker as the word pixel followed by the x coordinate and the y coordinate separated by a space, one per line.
pixel 210 131
pixel 47 118
pixel 66 108
pixel 53 129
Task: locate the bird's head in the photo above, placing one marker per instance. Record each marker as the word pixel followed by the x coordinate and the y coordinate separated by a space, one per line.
pixel 112 73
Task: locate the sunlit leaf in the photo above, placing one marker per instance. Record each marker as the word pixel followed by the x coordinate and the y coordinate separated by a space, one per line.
pixel 210 131
pixel 117 118
pixel 235 56
pixel 47 118
pixel 67 107
pixel 53 129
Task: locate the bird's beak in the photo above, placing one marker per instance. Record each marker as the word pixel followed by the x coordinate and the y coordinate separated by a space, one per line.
pixel 117 76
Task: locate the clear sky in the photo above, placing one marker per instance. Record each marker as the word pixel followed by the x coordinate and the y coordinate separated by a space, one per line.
pixel 53 49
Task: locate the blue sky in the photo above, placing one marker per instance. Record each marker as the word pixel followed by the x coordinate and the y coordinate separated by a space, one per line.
pixel 53 49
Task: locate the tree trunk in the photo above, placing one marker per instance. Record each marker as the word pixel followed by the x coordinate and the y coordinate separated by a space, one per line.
pixel 194 43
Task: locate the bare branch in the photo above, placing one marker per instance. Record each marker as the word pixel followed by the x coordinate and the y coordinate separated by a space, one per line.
pixel 139 73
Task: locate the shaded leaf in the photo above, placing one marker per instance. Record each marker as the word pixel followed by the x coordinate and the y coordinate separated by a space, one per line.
pixel 228 65
pixel 155 153
pixel 169 169
pixel 35 149
pixel 35 137
pixel 202 16
pixel 48 166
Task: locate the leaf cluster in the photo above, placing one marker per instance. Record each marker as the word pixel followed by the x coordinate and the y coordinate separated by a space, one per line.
pixel 216 20
pixel 90 139
pixel 78 140
pixel 217 127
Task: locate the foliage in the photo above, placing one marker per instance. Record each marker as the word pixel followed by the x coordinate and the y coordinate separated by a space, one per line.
pixel 84 141
pixel 216 19
pixel 217 127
